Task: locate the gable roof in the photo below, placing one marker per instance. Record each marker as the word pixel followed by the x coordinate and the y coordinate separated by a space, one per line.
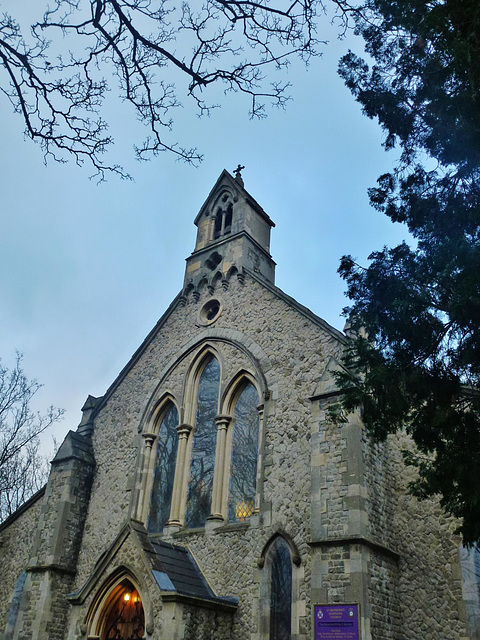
pixel 174 567
pixel 225 176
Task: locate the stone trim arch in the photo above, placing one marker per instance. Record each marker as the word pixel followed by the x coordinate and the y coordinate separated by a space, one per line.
pixel 147 454
pixel 260 363
pixel 231 272
pixel 219 201
pixel 203 284
pixel 216 279
pixel 294 552
pixel 225 184
pixel 265 586
pixel 210 280
pixel 192 379
pixel 156 411
pixel 221 197
pixel 206 345
pixel 235 387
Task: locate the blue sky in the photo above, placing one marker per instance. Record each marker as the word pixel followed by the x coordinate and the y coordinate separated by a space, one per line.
pixel 86 270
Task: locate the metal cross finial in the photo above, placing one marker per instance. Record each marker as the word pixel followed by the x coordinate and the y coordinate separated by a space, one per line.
pixel 237 171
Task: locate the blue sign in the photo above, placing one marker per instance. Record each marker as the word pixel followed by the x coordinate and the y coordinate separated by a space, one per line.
pixel 336 622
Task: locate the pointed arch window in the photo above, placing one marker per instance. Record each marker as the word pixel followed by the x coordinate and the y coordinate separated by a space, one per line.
pixel 206 467
pixel 243 467
pixel 223 220
pixel 280 590
pixel 203 450
pixel 162 491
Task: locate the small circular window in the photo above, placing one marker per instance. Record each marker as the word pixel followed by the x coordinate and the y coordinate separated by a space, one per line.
pixel 210 311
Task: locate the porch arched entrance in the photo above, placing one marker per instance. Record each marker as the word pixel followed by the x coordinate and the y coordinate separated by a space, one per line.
pixel 123 617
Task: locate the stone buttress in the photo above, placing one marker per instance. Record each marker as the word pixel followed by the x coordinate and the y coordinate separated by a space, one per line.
pixel 44 609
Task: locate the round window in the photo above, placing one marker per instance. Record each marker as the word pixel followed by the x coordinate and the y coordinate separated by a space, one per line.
pixel 210 311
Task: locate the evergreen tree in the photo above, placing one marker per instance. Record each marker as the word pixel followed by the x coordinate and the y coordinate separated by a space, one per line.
pixel 417 359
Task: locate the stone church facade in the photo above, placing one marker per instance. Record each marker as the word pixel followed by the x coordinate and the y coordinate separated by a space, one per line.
pixel 208 494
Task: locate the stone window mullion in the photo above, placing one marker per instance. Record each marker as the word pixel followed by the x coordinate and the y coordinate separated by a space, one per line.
pixel 261 439
pixel 222 422
pixel 146 480
pixel 183 431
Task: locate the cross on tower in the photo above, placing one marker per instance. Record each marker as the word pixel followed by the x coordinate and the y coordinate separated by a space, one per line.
pixel 237 172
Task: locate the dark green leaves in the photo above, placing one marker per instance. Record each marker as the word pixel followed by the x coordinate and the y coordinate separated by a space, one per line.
pixel 419 369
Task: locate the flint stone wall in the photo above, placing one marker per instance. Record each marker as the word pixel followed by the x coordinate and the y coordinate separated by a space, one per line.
pixel 321 481
pixel 17 536
pixel 296 351
pixel 429 574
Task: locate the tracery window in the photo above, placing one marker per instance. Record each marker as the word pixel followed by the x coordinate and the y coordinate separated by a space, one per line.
pixel 205 467
pixel 280 591
pixel 167 445
pixel 243 466
pixel 203 450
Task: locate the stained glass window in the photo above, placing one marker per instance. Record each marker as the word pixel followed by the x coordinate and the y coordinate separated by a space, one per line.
pixel 281 591
pixel 243 468
pixel 167 443
pixel 203 453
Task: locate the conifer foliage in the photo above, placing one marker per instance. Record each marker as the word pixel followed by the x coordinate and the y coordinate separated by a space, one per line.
pixel 415 312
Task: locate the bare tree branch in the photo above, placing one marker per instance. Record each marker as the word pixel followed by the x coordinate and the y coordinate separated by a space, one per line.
pixel 22 469
pixel 158 53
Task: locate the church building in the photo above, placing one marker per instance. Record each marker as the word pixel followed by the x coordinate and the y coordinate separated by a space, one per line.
pixel 210 494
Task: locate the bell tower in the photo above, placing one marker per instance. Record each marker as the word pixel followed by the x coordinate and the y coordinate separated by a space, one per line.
pixel 233 234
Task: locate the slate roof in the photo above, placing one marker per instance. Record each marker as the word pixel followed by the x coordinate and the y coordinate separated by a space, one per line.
pixel 173 567
pixel 175 570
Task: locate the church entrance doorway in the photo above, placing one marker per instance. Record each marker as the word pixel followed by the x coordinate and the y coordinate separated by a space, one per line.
pixel 123 618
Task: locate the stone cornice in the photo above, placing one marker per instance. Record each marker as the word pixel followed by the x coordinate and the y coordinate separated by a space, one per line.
pixel 40 568
pixel 360 540
pixel 221 604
